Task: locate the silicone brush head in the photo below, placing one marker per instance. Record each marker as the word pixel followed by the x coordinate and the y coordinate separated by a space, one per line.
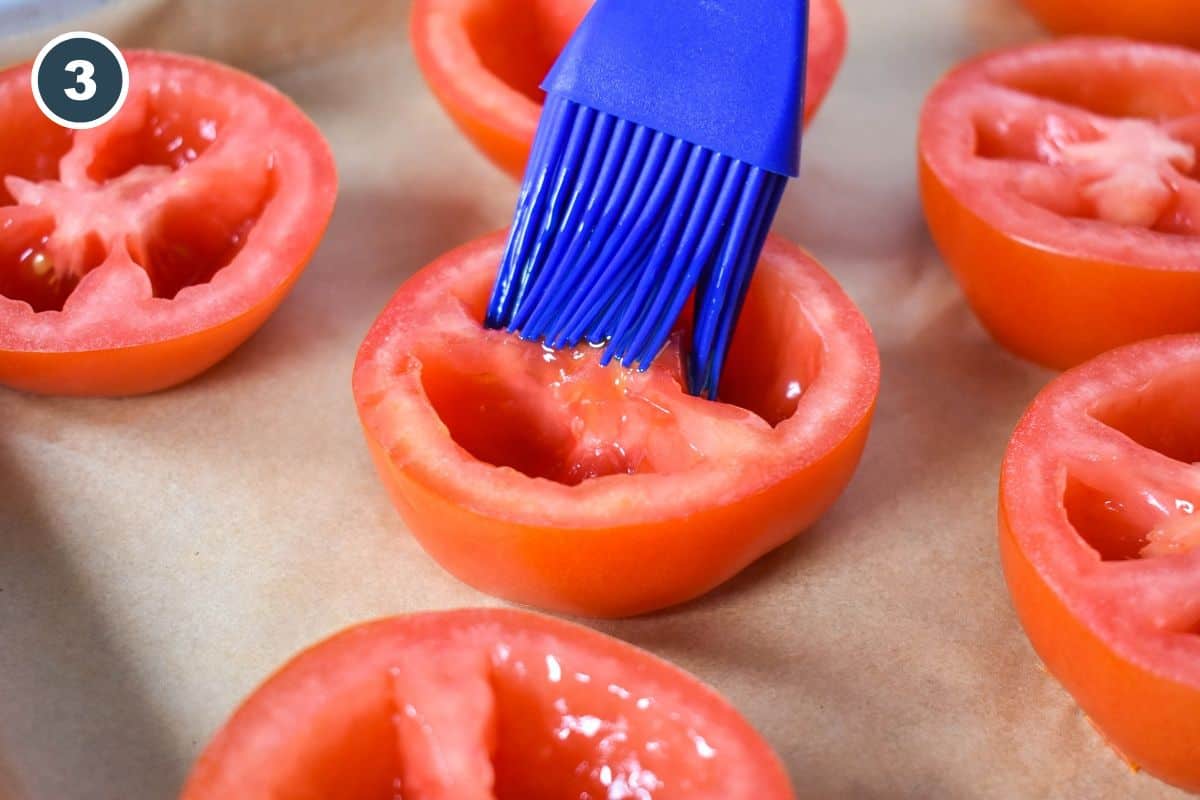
pixel 668 134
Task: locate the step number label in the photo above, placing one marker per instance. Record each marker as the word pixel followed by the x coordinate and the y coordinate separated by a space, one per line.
pixel 80 80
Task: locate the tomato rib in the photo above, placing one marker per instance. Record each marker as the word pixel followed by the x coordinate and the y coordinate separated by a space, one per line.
pixel 1060 183
pixel 1100 533
pixel 482 704
pixel 176 228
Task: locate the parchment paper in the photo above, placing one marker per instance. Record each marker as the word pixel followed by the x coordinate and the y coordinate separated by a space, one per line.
pixel 160 556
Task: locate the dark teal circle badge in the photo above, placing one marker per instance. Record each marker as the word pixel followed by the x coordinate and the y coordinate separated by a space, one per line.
pixel 80 80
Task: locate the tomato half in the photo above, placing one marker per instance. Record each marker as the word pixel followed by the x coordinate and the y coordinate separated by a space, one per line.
pixel 135 255
pixel 485 60
pixel 1174 21
pixel 1100 538
pixel 1061 183
pixel 484 705
pixel 545 478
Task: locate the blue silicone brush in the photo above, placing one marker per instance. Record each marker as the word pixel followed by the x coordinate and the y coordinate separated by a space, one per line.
pixel 669 132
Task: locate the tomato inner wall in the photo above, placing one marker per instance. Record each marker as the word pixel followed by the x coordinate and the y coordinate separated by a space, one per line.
pixel 28 271
pixel 1104 523
pixel 190 239
pixel 562 417
pixel 519 40
pixel 1164 415
pixel 31 146
pixel 175 131
pixel 564 730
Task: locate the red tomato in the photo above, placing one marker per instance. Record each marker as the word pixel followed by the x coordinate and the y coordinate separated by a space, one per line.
pixel 1175 21
pixel 1060 182
pixel 485 61
pixel 482 704
pixel 1100 536
pixel 547 479
pixel 135 255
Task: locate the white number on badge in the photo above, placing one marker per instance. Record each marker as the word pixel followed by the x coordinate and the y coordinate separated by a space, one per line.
pixel 84 70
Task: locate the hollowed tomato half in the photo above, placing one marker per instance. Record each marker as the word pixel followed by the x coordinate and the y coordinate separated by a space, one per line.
pixel 484 705
pixel 135 255
pixel 1174 21
pixel 1062 185
pixel 1100 538
pixel 547 479
pixel 485 61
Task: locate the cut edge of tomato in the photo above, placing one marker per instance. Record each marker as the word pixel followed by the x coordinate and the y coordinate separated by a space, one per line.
pixel 459 78
pixel 948 145
pixel 825 54
pixel 1033 488
pixel 848 384
pixel 275 250
pixel 287 702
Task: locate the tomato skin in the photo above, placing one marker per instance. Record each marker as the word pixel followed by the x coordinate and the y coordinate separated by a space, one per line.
pixel 1173 21
pixel 137 343
pixel 585 549
pixel 501 120
pixel 324 725
pixel 1116 630
pixel 1052 308
pixel 589 572
pixel 1050 294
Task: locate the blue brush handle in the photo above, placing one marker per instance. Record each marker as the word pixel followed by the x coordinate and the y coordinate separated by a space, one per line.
pixel 724 74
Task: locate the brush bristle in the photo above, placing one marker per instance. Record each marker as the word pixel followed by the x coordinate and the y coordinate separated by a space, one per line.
pixel 616 226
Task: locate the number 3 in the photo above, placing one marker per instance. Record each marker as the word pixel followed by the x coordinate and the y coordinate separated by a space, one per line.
pixel 84 70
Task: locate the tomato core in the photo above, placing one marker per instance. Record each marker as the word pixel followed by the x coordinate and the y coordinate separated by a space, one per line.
pixel 88 195
pixel 1128 172
pixel 1089 142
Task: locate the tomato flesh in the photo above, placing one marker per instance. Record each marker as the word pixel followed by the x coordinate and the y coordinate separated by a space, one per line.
pixel 484 705
pixel 1062 185
pixel 156 242
pixel 542 476
pixel 572 421
pixel 485 61
pixel 1100 532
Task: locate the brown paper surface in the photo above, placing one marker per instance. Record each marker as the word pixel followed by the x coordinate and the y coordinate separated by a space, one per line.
pixel 160 556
